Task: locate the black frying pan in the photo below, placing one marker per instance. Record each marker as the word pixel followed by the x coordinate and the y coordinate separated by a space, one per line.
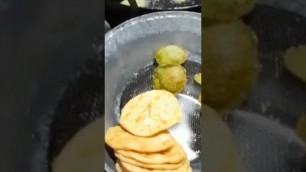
pixel 116 13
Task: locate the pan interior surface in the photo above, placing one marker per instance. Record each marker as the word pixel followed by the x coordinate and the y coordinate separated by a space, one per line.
pixel 129 65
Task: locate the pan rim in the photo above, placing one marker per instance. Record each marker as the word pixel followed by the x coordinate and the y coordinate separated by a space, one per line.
pixel 144 18
pixel 176 7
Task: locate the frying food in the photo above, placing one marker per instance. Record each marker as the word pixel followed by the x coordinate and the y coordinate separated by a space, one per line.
pixel 142 142
pixel 198 78
pixel 174 154
pixel 170 55
pixel 226 10
pixel 130 167
pixel 295 60
pixel 170 78
pixel 231 64
pixel 118 167
pixel 159 166
pixel 170 75
pixel 150 113
pixel 117 138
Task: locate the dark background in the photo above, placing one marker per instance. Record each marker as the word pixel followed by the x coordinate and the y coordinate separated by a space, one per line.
pixel 42 42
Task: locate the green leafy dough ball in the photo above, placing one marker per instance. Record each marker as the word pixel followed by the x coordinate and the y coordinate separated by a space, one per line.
pixel 170 55
pixel 170 78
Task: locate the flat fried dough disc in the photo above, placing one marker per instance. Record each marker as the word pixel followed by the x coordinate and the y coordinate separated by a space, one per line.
pixel 83 152
pixel 124 159
pixel 119 139
pixel 132 168
pixel 173 155
pixel 118 167
pixel 150 112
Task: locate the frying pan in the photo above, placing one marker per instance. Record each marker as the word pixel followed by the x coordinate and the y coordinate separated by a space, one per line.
pixel 129 65
pixel 262 126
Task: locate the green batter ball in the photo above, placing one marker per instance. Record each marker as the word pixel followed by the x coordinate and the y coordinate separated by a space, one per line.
pixel 170 78
pixel 170 55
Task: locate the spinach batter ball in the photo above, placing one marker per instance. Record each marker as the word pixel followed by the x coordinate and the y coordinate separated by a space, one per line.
pixel 170 55
pixel 170 78
pixel 226 10
pixel 230 64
